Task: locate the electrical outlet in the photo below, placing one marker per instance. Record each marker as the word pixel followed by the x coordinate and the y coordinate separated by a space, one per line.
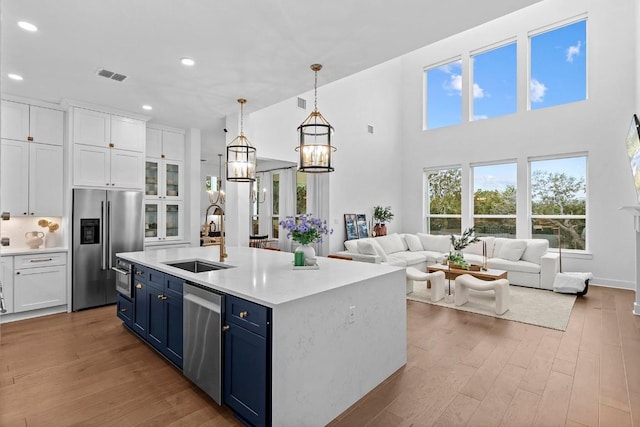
pixel 352 314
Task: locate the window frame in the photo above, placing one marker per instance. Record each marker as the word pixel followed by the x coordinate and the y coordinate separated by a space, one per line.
pixel 425 94
pixel 585 217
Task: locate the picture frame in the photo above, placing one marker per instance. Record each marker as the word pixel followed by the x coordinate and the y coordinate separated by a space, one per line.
pixel 350 226
pixel 363 228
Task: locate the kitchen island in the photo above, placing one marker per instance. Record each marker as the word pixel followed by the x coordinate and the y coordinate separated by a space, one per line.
pixel 337 332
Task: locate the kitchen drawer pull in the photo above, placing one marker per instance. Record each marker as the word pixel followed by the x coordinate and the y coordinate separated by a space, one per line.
pixel 225 328
pixel 138 285
pixel 162 297
pixel 244 314
pixel 122 310
pixel 41 260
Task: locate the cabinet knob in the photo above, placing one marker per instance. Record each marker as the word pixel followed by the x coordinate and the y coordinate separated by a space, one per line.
pixel 244 314
pixel 31 213
pixel 24 213
pixel 113 183
pixel 17 272
pixel 29 138
pixel 139 286
pixel 111 145
pixel 225 328
pixel 162 297
pixel 162 156
pixel 107 184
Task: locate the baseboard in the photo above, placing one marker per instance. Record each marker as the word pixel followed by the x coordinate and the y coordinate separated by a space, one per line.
pixel 13 317
pixel 612 283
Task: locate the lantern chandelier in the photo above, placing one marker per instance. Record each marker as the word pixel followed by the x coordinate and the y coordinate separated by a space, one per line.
pixel 241 155
pixel 315 137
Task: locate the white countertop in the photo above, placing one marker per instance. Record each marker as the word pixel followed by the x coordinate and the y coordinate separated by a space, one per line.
pixel 7 251
pixel 258 275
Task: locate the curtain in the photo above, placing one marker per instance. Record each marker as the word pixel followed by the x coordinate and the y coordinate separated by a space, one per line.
pixel 318 204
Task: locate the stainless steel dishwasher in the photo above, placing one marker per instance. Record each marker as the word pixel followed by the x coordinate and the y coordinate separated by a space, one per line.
pixel 203 311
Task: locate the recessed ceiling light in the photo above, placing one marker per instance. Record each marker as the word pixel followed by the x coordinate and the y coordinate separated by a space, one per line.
pixel 15 76
pixel 27 26
pixel 147 107
pixel 188 62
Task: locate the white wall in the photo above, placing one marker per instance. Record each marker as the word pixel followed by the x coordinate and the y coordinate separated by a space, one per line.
pixel 597 126
pixel 367 167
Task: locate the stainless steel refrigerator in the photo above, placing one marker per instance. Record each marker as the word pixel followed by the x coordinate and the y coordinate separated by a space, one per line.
pixel 105 222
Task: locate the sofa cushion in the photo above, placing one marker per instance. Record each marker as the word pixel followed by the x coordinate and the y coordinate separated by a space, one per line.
pixel 473 259
pixel 476 248
pixel 536 248
pixel 435 243
pixel 433 257
pixel 396 262
pixel 520 266
pixel 408 257
pixel 413 242
pixel 511 249
pixel 351 246
pixel 391 243
pixel 366 247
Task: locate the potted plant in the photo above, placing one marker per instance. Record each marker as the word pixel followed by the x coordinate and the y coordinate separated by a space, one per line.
pixel 306 230
pixel 455 259
pixel 381 215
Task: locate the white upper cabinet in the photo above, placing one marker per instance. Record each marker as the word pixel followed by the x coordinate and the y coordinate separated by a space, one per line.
pixel 108 149
pixel 91 127
pixel 127 134
pixel 33 177
pixel 24 122
pixel 165 144
pixel 108 130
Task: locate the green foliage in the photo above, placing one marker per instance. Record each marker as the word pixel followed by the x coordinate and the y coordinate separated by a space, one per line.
pixel 445 188
pixel 467 238
pixel 494 202
pixel 301 199
pixel 556 193
pixel 457 258
pixel 382 215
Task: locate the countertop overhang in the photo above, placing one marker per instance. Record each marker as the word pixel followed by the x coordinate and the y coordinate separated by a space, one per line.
pixel 264 277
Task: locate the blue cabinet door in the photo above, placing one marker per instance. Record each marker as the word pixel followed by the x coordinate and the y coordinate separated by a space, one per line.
pixel 245 374
pixel 156 330
pixel 173 307
pixel 140 307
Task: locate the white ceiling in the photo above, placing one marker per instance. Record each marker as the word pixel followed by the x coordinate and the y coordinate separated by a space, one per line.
pixel 260 50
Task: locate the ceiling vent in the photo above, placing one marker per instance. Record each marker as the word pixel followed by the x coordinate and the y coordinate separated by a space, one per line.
pixel 370 129
pixel 111 75
pixel 302 103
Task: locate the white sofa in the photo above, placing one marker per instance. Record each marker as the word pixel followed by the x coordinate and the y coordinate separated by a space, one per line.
pixel 527 261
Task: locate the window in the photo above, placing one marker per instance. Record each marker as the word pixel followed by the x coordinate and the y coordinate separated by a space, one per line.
pixel 443 98
pixel 275 205
pixel 443 202
pixel 558 201
pixel 494 200
pixel 255 207
pixel 301 193
pixel 558 73
pixel 494 82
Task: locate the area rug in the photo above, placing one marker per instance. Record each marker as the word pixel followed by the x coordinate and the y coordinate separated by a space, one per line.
pixel 527 305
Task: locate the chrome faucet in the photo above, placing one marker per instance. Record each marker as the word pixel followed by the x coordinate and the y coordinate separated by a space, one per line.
pixel 217 211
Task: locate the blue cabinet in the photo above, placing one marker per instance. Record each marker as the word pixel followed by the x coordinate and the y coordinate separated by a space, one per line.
pixel 125 310
pixel 247 360
pixel 157 311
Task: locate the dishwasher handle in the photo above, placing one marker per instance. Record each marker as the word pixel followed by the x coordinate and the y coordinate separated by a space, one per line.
pixel 209 305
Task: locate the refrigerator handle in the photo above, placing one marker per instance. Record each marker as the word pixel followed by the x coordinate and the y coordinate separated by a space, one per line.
pixel 102 229
pixel 109 234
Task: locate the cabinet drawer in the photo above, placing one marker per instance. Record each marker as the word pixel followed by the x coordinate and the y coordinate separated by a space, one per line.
pixel 141 273
pixel 174 284
pixel 251 316
pixel 40 260
pixel 125 310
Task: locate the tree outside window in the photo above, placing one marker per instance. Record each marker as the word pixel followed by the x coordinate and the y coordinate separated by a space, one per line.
pixel 443 201
pixel 494 200
pixel 559 202
pixel 275 205
pixel 301 193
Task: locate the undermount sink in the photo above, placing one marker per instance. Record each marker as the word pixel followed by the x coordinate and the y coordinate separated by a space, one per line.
pixel 196 266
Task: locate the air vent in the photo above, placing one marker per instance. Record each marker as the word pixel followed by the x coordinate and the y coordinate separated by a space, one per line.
pixel 370 129
pixel 111 75
pixel 302 103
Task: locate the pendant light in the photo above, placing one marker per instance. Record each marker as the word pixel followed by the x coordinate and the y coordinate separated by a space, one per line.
pixel 241 155
pixel 315 137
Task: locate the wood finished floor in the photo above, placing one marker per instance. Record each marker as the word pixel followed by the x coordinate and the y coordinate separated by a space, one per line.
pixel 84 369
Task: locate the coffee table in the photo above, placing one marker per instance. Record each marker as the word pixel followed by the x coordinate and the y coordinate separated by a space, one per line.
pixel 489 274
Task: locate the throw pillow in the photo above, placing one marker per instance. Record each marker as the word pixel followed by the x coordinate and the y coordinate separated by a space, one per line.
pixel 366 248
pixel 391 243
pixel 413 242
pixel 435 243
pixel 535 249
pixel 512 250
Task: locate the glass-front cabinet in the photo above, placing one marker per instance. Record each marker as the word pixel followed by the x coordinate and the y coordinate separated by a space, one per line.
pixel 163 179
pixel 163 220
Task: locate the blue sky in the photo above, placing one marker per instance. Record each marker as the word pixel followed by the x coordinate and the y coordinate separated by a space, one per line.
pixel 558 76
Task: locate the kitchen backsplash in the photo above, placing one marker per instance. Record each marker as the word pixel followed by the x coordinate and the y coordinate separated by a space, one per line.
pixel 16 227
